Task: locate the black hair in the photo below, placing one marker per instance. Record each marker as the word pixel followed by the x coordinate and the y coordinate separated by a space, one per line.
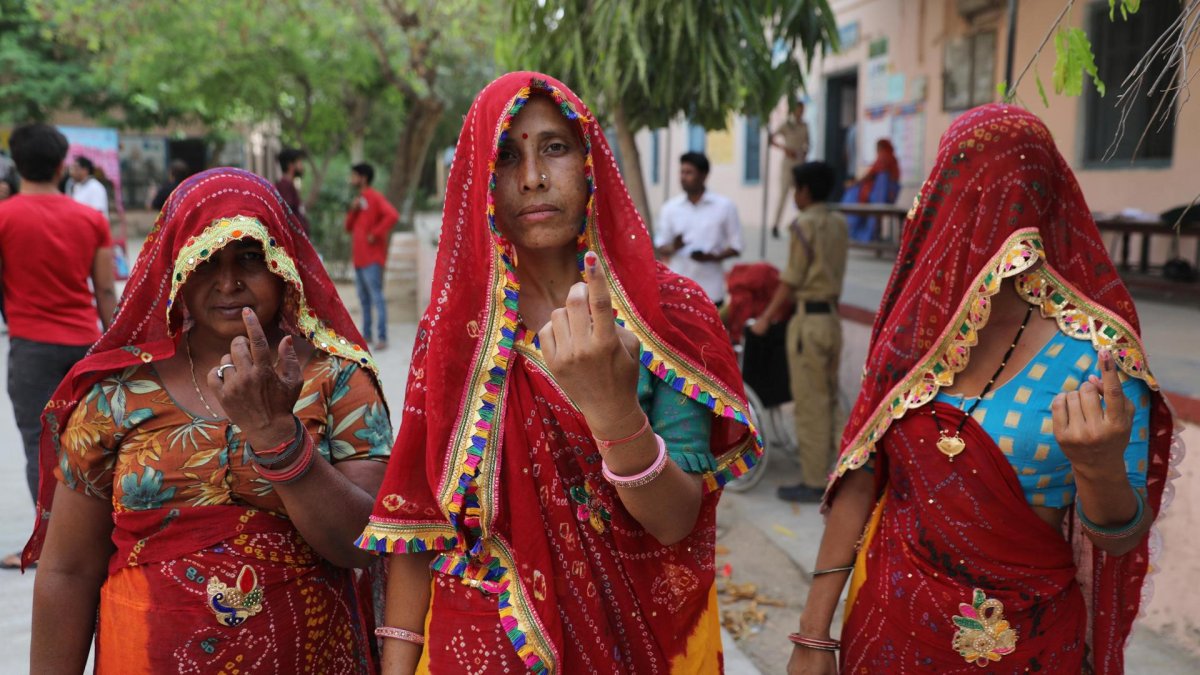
pixel 365 170
pixel 288 155
pixel 696 159
pixel 818 177
pixel 86 164
pixel 37 150
pixel 179 169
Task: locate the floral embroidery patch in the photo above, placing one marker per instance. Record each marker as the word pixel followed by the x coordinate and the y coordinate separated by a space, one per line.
pixel 983 635
pixel 588 508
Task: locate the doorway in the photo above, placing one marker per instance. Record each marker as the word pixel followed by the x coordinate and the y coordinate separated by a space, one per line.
pixel 841 123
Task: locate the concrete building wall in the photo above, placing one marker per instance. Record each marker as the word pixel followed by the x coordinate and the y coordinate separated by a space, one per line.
pixel 900 95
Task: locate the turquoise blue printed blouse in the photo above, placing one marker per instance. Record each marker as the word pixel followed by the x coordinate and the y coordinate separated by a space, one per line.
pixel 1017 416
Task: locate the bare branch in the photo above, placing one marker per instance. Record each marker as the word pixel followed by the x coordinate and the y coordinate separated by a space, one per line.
pixel 1168 57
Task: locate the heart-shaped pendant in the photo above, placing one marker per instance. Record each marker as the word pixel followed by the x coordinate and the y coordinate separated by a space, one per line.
pixel 951 446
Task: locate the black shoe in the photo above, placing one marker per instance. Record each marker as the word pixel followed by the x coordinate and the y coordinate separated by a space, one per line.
pixel 802 494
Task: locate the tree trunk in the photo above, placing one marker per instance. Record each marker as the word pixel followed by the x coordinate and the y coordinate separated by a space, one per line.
pixel 356 146
pixel 411 151
pixel 360 111
pixel 320 170
pixel 634 181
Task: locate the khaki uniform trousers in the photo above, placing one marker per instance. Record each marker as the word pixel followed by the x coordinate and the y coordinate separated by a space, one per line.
pixel 814 349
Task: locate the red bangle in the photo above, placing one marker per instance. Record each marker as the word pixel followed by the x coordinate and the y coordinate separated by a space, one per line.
pixel 815 643
pixel 297 469
pixel 605 446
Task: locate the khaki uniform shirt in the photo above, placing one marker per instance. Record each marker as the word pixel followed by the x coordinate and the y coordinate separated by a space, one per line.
pixel 817 257
pixel 794 134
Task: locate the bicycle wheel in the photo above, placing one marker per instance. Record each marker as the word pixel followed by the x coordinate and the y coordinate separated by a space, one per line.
pixel 752 477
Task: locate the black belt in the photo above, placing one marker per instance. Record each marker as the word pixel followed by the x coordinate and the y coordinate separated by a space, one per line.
pixel 818 307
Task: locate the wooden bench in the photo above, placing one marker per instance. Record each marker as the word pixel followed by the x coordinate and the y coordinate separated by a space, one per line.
pixel 1144 277
pixel 891 222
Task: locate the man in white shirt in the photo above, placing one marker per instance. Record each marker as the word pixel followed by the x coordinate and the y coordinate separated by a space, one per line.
pixel 698 229
pixel 86 189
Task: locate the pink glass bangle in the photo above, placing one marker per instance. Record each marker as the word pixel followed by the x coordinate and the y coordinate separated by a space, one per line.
pixel 815 643
pixel 400 634
pixel 644 477
pixel 605 446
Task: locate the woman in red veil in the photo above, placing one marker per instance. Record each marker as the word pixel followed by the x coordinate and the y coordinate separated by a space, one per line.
pixel 1010 449
pixel 190 460
pixel 572 411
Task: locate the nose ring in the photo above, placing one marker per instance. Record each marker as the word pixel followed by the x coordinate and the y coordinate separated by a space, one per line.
pixel 543 177
pixel 239 285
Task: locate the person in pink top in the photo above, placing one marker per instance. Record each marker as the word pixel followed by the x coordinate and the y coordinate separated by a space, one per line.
pixel 369 222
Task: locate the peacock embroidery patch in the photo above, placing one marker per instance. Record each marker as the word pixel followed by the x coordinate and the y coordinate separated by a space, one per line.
pixel 232 606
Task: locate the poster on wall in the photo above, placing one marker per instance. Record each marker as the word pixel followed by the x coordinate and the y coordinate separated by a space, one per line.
pixel 908 135
pixel 877 81
pixel 720 144
pixel 101 146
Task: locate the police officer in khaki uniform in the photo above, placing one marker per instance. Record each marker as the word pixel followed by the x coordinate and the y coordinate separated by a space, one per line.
pixel 792 138
pixel 813 278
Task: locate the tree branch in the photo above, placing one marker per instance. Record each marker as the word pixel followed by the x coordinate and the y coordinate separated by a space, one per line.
pixel 385 64
pixel 1169 56
pixel 1038 52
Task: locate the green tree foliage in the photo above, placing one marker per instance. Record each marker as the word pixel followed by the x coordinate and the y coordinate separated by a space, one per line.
pixel 645 63
pixel 434 55
pixel 39 73
pixel 224 63
pixel 1073 55
pixel 330 75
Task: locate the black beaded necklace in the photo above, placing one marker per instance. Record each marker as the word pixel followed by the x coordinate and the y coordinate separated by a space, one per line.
pixel 952 446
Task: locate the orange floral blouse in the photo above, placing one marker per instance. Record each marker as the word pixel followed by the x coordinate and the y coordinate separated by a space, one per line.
pixel 131 443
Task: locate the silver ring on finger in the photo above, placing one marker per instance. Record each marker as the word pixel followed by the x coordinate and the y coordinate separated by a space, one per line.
pixel 221 371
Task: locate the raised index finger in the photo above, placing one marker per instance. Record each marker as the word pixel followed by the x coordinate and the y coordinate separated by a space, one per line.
pixel 260 349
pixel 1115 401
pixel 599 299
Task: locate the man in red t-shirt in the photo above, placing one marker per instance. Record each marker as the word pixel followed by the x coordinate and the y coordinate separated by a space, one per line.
pixel 51 249
pixel 369 222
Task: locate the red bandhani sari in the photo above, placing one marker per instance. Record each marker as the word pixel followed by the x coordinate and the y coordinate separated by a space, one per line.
pixel 540 566
pixel 956 571
pixel 221 587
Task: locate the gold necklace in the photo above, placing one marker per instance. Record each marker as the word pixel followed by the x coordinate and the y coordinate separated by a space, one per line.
pixel 187 342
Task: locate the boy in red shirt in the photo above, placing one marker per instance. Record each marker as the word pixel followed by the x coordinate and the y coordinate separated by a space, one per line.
pixel 369 223
pixel 51 247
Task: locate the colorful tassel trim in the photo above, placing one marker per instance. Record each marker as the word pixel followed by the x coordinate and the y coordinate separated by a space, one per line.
pixel 732 464
pixel 512 628
pixel 385 537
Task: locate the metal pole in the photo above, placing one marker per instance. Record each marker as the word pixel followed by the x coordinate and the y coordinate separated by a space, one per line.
pixel 667 161
pixel 766 188
pixel 1012 43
